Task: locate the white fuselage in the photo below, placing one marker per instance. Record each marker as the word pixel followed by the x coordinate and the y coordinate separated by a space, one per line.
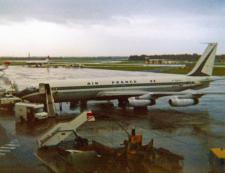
pixel 119 87
pixel 37 62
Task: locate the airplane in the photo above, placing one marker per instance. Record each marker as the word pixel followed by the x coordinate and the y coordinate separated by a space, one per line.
pixel 136 91
pixel 37 63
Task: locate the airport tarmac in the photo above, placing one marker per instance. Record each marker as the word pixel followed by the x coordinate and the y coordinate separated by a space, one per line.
pixel 188 131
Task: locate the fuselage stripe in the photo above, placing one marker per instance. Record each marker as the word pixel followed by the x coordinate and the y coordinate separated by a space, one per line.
pixel 120 85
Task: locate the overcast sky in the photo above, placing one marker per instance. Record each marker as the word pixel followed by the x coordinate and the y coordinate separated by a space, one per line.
pixel 109 27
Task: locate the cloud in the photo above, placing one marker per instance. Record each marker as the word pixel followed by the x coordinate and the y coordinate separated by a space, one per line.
pixel 109 27
pixel 125 36
pixel 102 10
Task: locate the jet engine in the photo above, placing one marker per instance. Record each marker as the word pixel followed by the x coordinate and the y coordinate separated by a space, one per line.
pixel 140 102
pixel 183 101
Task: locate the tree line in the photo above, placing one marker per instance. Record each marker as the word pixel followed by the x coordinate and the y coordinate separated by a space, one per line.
pixel 172 57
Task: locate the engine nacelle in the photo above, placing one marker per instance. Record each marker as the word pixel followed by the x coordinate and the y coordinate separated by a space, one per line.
pixel 137 102
pixel 179 102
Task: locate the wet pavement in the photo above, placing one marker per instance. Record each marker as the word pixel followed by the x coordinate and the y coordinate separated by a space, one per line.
pixel 189 131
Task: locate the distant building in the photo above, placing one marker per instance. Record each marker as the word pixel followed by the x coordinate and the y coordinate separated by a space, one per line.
pixel 159 61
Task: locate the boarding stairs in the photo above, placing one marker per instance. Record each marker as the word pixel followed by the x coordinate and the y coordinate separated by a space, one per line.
pixel 61 131
pixel 45 89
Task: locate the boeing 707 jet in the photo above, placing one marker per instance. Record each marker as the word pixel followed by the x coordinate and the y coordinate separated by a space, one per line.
pixel 38 63
pixel 135 91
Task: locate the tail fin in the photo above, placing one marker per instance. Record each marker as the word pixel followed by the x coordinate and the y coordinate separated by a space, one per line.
pixel 204 66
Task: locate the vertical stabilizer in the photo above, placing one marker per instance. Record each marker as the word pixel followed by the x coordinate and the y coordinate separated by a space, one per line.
pixel 204 66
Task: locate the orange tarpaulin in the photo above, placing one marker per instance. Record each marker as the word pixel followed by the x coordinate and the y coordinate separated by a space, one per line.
pixel 137 139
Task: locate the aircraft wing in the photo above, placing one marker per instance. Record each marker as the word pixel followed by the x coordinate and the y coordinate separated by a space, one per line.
pixel 155 95
pixel 121 93
pixel 190 94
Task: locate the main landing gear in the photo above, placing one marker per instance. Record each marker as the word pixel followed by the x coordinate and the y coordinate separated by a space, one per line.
pixel 123 103
pixel 83 105
pixel 73 105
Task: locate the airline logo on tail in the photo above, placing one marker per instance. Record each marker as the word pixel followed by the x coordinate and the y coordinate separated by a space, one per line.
pixel 204 66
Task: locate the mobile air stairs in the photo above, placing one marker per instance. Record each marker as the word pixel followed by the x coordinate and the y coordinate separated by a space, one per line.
pixel 45 89
pixel 62 131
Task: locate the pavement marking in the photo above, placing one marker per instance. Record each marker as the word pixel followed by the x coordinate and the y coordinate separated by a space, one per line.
pixel 2 151
pixel 12 145
pixel 7 148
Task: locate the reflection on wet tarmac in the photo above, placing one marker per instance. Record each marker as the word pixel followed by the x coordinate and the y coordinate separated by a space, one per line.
pixel 189 132
pixel 183 133
pixel 90 162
